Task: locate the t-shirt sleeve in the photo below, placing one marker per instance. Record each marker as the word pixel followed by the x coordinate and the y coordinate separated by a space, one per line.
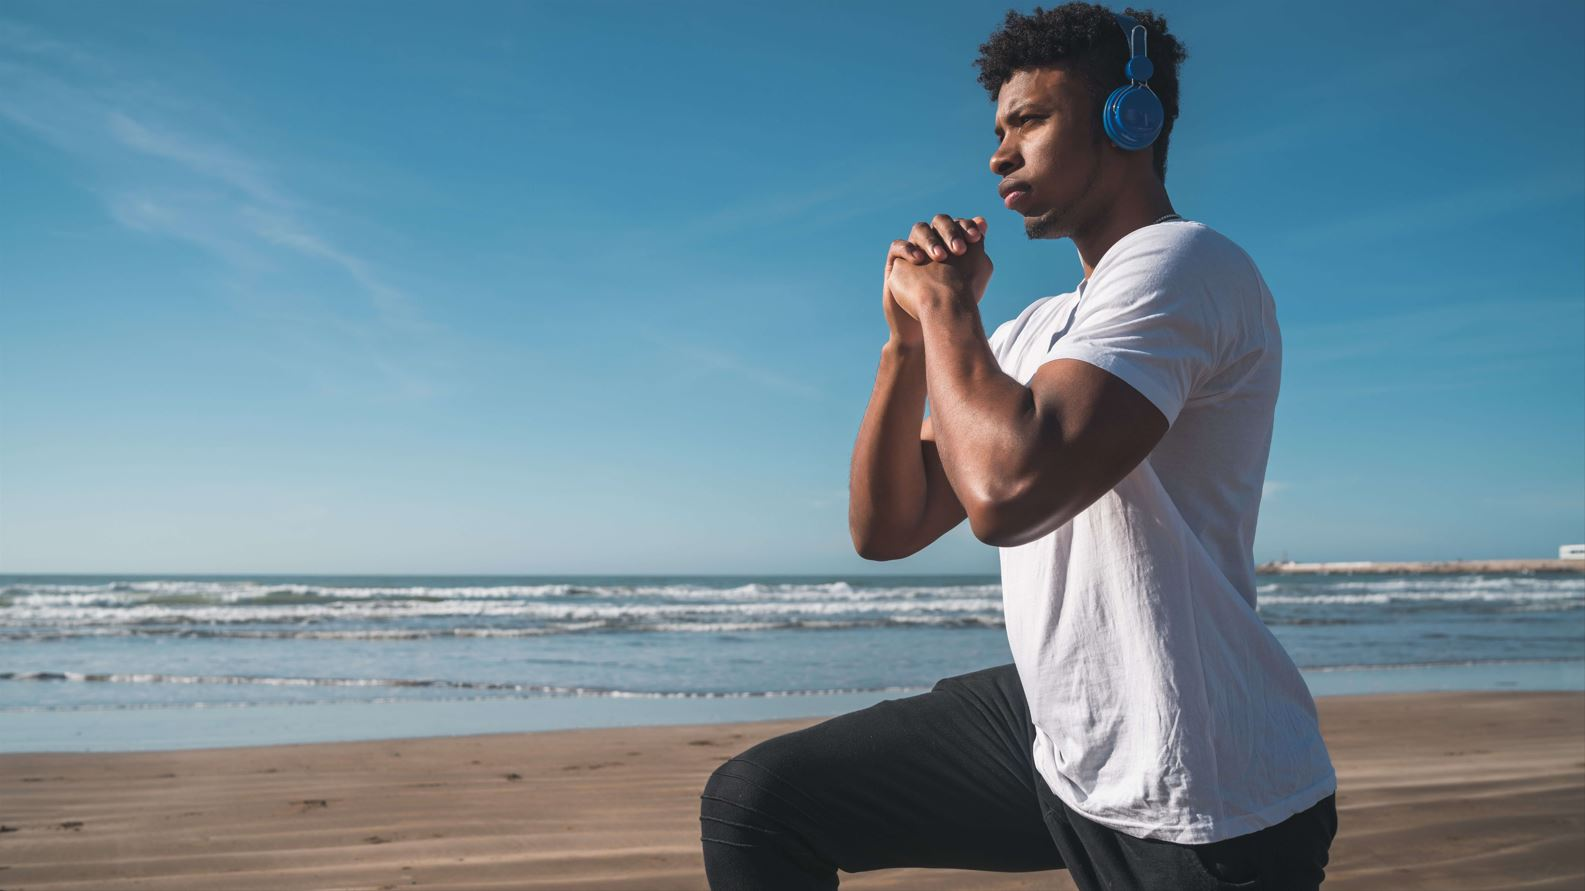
pixel 1151 322
pixel 998 342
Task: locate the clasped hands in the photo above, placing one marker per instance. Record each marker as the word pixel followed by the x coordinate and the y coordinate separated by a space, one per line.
pixel 946 260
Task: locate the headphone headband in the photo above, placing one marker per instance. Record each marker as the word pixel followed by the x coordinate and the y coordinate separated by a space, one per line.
pixel 1132 115
pixel 1138 68
pixel 1130 27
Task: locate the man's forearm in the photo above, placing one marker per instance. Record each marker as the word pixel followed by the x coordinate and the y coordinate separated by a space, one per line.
pixel 984 420
pixel 886 490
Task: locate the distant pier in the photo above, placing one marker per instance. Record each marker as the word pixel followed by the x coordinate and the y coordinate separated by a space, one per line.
pixel 1428 568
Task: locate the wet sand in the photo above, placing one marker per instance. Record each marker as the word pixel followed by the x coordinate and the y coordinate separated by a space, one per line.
pixel 1437 791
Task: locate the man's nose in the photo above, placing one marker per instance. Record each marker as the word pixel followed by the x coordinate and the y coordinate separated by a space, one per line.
pixel 1004 162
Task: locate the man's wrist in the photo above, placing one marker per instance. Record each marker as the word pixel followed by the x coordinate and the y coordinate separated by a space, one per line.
pixel 946 304
pixel 898 348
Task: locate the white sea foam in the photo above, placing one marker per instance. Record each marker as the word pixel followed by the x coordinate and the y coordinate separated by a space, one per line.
pixel 426 683
pixel 130 593
pixel 322 610
pixel 1562 598
pixel 494 690
pixel 1430 583
pixel 57 614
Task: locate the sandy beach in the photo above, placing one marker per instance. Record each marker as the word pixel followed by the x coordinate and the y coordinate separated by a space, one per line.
pixel 1437 791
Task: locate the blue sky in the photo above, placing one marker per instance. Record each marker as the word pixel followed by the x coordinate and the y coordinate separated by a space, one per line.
pixel 594 288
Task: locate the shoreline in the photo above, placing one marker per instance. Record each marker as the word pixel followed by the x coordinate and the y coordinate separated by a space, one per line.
pixel 617 808
pixel 1433 567
pixel 176 727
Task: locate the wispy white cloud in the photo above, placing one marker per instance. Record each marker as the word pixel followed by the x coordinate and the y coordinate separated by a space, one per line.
pixel 1478 335
pixel 1342 97
pixel 212 161
pixel 713 360
pixel 829 196
pixel 187 216
pixel 1441 211
pixel 1496 341
pixel 1463 329
pixel 22 40
pixel 1272 487
pixel 825 498
pixel 160 173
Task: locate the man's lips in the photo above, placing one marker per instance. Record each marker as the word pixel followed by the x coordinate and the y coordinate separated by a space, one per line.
pixel 1015 196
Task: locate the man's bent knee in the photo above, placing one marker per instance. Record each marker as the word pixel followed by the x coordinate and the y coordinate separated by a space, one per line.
pixel 754 836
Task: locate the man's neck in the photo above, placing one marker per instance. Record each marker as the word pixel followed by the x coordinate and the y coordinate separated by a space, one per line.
pixel 1131 212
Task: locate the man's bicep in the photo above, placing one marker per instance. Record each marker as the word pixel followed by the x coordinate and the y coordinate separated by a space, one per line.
pixel 1095 429
pixel 1102 426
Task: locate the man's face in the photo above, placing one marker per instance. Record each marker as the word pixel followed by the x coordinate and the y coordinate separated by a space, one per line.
pixel 1051 142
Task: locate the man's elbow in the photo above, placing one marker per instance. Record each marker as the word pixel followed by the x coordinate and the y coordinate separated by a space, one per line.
pixel 874 549
pixel 991 526
pixel 1016 520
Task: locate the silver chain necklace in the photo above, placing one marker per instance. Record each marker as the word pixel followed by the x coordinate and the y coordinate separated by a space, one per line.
pixel 1170 216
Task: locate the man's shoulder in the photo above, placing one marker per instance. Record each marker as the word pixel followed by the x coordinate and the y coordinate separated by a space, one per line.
pixel 1026 324
pixel 1193 247
pixel 1191 268
pixel 1024 315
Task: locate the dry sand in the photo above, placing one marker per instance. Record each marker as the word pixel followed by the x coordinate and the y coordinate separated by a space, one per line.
pixel 1437 791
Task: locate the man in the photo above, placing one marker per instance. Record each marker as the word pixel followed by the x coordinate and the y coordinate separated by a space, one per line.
pixel 1112 441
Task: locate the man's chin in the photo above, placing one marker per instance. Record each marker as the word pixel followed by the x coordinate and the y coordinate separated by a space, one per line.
pixel 1045 225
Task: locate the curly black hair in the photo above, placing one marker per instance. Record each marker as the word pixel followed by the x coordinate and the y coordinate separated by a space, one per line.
pixel 1085 38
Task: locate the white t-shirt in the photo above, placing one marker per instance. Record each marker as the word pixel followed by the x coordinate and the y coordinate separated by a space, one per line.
pixel 1163 706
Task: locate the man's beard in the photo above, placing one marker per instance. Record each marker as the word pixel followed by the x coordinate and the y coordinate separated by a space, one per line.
pixel 1058 222
pixel 1047 225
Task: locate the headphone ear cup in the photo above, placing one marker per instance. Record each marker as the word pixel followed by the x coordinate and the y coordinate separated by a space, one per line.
pixel 1132 117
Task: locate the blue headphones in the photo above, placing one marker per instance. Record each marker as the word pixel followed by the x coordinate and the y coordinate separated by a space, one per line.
pixel 1133 115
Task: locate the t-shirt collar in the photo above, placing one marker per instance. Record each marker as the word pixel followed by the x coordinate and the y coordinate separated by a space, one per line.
pixel 1079 289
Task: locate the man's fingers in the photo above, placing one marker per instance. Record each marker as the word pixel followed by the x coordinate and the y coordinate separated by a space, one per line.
pixel 905 250
pixel 929 240
pixel 938 239
pixel 953 235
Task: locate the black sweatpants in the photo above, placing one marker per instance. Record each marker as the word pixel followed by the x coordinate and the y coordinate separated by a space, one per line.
pixel 946 779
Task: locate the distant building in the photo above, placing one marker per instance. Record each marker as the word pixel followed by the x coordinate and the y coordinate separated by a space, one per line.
pixel 1571 552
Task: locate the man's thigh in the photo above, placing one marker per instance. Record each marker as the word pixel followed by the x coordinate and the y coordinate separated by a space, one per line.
pixel 1290 856
pixel 942 779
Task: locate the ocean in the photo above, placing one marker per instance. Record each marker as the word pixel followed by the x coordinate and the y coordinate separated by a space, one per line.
pixel 108 663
